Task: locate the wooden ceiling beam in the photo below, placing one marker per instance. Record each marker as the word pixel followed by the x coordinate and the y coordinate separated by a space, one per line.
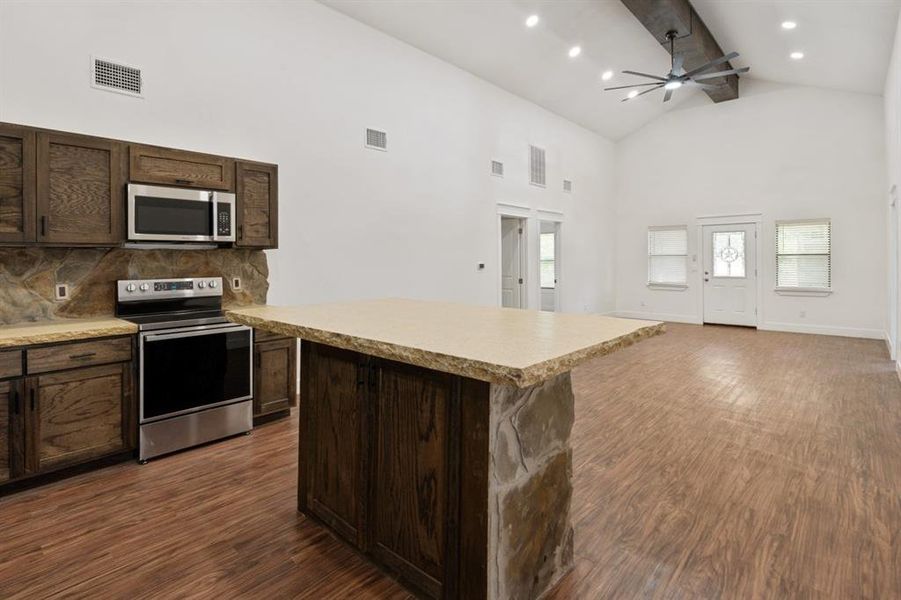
pixel 694 39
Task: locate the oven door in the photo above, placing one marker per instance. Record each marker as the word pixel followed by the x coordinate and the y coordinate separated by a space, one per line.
pixel 193 368
pixel 161 214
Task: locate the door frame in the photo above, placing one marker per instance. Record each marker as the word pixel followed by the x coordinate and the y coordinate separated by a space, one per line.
pixel 736 219
pixel 893 329
pixel 523 215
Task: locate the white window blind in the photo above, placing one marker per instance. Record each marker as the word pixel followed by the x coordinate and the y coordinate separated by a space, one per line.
pixel 668 255
pixel 804 254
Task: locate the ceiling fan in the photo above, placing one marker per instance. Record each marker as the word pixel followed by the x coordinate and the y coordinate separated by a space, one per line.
pixel 677 77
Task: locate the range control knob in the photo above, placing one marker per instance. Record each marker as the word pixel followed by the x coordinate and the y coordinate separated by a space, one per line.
pixel 214 284
pixel 201 284
pixel 130 287
pixel 145 287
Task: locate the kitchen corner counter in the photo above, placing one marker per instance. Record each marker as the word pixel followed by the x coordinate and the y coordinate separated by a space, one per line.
pixel 498 345
pixel 63 330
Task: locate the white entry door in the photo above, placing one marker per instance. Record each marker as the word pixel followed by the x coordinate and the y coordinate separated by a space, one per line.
pixel 512 284
pixel 730 274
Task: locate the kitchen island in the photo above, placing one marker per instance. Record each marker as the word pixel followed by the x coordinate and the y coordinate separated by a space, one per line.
pixel 435 437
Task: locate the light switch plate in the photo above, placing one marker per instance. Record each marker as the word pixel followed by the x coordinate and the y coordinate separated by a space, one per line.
pixel 236 283
pixel 61 291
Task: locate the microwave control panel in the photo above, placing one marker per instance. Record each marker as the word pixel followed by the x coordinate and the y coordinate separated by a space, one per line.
pixel 223 219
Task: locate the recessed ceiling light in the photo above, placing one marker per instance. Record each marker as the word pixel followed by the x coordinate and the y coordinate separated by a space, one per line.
pixel 797 55
pixel 672 85
pixel 633 93
pixel 607 75
pixel 575 51
pixel 532 21
pixel 789 24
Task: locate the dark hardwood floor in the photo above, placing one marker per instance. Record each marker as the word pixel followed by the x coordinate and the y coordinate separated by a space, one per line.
pixel 710 462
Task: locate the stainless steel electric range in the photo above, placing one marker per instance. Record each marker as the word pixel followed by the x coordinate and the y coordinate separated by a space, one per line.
pixel 195 370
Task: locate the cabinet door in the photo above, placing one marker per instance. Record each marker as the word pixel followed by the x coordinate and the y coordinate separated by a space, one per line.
pixel 80 191
pixel 152 164
pixel 11 437
pixel 17 184
pixel 75 416
pixel 274 379
pixel 332 416
pixel 413 481
pixel 257 210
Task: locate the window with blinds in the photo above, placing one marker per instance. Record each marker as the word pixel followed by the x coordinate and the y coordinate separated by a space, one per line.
pixel 668 255
pixel 804 254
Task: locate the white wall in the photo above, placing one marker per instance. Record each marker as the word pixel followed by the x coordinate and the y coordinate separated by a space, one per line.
pixel 892 107
pixel 787 152
pixel 297 83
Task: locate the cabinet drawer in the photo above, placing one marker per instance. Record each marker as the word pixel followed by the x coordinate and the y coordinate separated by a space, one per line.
pixel 260 335
pixel 83 354
pixel 10 363
pixel 150 164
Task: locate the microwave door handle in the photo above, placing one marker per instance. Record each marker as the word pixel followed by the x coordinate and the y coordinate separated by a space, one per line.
pixel 215 216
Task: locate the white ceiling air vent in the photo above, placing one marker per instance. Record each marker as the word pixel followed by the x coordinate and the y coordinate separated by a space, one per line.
pixel 536 166
pixel 116 77
pixel 377 140
pixel 567 186
pixel 497 168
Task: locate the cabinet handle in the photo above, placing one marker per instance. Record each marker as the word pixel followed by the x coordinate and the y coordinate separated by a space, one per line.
pixel 15 399
pixel 240 232
pixel 43 225
pixel 80 356
pixel 32 399
pixel 184 181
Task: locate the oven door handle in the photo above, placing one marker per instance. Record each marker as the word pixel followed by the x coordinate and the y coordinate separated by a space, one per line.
pixel 199 331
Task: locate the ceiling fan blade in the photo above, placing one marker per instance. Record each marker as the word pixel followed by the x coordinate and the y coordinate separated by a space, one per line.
pixel 625 87
pixel 703 86
pixel 645 75
pixel 667 95
pixel 720 74
pixel 678 61
pixel 656 87
pixel 713 63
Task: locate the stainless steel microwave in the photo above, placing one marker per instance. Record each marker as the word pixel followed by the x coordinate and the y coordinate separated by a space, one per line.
pixel 168 214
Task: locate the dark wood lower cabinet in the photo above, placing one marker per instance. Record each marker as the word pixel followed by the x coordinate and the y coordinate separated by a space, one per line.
pixel 71 416
pixel 275 376
pixel 384 455
pixel 77 415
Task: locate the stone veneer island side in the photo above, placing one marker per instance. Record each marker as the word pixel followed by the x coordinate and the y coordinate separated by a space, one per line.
pixel 435 437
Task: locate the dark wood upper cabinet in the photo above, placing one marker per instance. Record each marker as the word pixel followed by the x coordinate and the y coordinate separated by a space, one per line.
pixel 257 210
pixel 77 415
pixel 80 189
pixel 17 184
pixel 274 378
pixel 167 166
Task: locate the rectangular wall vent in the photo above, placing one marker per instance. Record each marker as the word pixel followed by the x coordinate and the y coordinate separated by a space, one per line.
pixel 567 186
pixel 497 168
pixel 116 77
pixel 537 175
pixel 377 140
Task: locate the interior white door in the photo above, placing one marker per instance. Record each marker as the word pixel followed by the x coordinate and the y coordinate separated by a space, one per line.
pixel 511 263
pixel 730 274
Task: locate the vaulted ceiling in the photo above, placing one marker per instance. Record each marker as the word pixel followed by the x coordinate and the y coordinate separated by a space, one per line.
pixel 847 45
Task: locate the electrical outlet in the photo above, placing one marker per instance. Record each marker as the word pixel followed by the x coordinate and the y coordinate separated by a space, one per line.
pixel 481 266
pixel 236 283
pixel 61 291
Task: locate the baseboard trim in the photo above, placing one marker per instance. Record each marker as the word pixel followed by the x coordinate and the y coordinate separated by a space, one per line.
pixel 854 332
pixel 651 316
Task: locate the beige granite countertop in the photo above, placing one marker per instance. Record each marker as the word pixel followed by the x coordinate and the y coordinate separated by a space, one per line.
pixel 62 330
pixel 499 345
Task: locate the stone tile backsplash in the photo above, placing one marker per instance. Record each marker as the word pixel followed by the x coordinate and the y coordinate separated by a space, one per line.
pixel 28 277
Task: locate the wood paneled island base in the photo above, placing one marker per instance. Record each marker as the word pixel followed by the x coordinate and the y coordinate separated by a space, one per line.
pixel 459 485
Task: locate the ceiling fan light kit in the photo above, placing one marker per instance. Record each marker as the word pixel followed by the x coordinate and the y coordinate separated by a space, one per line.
pixel 677 77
